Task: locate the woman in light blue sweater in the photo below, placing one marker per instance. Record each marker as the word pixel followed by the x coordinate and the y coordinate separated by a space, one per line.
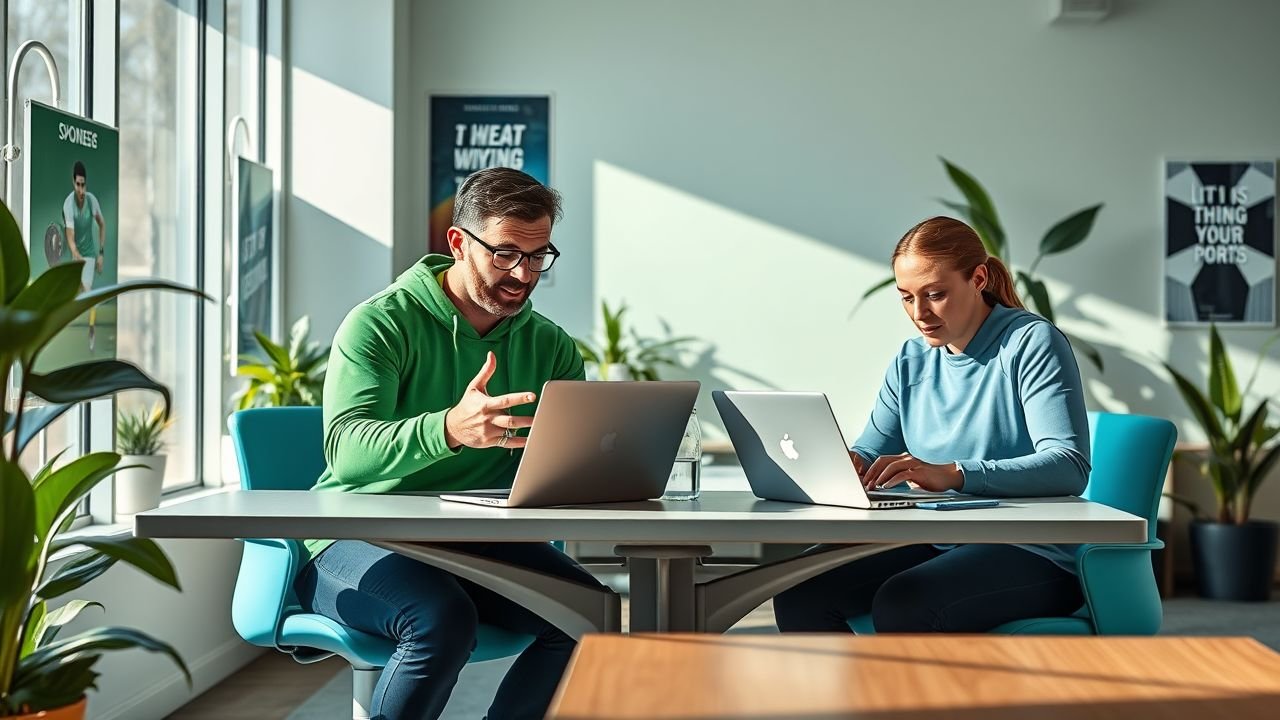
pixel 986 401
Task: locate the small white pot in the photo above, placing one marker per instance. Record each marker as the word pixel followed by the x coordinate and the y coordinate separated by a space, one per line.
pixel 138 489
pixel 613 372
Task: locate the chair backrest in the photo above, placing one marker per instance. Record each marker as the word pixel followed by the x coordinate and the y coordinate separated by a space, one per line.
pixel 1131 454
pixel 278 448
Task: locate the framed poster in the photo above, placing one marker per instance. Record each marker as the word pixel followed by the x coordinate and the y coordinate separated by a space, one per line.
pixel 473 132
pixel 253 258
pixel 71 183
pixel 1220 243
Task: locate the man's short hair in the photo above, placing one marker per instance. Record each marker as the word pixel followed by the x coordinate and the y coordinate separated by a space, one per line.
pixel 503 193
pixel 77 170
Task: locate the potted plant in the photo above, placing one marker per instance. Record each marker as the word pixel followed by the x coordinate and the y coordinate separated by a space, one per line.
pixel 980 212
pixel 277 375
pixel 137 488
pixel 43 674
pixel 621 357
pixel 1234 555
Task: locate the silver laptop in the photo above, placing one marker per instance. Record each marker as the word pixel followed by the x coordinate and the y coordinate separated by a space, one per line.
pixel 791 449
pixel 597 442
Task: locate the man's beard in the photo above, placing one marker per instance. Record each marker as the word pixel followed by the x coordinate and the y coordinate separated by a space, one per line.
pixel 490 298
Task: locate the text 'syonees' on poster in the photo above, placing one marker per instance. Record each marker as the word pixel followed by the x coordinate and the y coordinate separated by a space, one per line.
pixel 254 265
pixel 1220 242
pixel 71 180
pixel 470 133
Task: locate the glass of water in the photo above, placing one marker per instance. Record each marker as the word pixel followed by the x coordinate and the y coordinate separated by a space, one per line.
pixel 683 482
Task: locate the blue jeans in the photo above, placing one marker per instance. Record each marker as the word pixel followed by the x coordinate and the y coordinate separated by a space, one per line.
pixel 432 616
pixel 920 588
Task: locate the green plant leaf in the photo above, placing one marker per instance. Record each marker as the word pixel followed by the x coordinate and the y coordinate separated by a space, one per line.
pixel 54 287
pixel 54 687
pixel 95 640
pixel 1069 232
pixel 57 319
pixel 587 352
pixel 15 267
pixel 1198 404
pixel 17 536
pixel 1223 390
pixel 91 380
pixel 982 210
pixel 1039 295
pixel 257 372
pixel 19 329
pixel 34 419
pixel 31 632
pixel 988 231
pixel 43 627
pixel 141 553
pixel 1243 443
pixel 887 282
pixel 1087 348
pixel 1262 469
pixel 74 574
pixel 298 335
pixel 276 354
pixel 64 487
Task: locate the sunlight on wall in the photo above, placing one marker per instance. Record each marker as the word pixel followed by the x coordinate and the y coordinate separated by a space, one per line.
pixel 342 154
pixel 773 308
pixel 773 305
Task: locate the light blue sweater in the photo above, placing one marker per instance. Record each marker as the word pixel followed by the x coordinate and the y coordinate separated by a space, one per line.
pixel 1010 409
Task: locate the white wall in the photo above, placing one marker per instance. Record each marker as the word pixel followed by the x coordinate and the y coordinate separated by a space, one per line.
pixel 137 685
pixel 741 169
pixel 340 133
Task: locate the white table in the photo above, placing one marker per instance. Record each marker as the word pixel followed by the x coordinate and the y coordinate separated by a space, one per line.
pixel 662 541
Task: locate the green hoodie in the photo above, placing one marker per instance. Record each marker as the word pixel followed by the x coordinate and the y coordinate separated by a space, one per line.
pixel 400 361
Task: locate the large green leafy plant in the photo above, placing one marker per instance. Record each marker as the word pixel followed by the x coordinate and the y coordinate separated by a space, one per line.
pixel 1242 446
pixel 625 347
pixel 283 376
pixel 978 210
pixel 39 669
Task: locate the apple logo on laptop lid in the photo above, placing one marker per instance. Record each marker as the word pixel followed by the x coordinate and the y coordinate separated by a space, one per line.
pixel 788 447
pixel 607 442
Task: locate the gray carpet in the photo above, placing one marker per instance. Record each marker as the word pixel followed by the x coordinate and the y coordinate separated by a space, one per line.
pixel 470 700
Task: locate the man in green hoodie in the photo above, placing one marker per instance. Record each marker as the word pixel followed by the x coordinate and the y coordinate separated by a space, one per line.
pixel 430 384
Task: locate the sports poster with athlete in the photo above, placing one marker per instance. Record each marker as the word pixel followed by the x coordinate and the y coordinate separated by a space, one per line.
pixel 71 173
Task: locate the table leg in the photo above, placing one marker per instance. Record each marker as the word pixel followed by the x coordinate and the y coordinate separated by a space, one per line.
pixel 724 601
pixel 662 586
pixel 575 608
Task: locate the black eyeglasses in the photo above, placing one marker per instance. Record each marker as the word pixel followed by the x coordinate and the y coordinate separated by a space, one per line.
pixel 505 259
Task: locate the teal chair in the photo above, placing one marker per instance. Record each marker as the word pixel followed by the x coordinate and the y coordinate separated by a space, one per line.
pixel 1130 456
pixel 282 449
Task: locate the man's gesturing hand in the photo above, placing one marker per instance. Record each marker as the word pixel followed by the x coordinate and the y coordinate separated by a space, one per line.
pixel 480 421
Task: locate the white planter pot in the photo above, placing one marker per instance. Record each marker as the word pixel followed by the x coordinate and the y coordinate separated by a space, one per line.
pixel 614 372
pixel 138 489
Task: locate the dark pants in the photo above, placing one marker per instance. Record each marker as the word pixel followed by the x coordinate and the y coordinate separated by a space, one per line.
pixel 432 616
pixel 919 588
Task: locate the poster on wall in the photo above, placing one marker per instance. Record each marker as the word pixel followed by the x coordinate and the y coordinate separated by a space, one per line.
pixel 71 180
pixel 1220 243
pixel 474 132
pixel 253 281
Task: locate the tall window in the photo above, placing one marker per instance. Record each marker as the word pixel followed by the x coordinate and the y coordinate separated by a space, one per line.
pixel 158 111
pixel 170 74
pixel 52 22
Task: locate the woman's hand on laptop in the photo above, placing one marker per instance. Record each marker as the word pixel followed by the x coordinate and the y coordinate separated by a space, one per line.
pixel 481 421
pixel 892 470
